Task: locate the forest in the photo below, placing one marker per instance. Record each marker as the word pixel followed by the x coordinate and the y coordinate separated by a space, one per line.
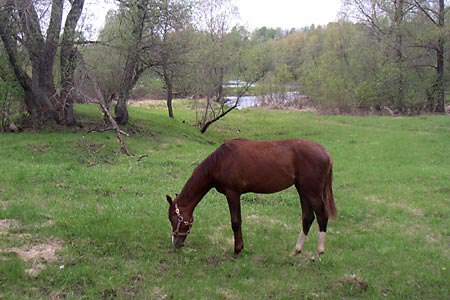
pixel 387 57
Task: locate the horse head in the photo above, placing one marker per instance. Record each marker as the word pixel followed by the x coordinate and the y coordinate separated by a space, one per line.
pixel 181 227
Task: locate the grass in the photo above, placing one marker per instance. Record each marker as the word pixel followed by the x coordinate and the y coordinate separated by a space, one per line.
pixel 391 185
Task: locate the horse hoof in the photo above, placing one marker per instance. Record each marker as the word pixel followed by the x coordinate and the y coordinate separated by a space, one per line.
pixel 320 252
pixel 295 252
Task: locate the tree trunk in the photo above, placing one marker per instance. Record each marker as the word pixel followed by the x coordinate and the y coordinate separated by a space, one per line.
pixel 133 67
pixel 440 107
pixel 121 109
pixel 68 61
pixel 128 81
pixel 169 102
pixel 169 88
pixel 398 19
pixel 220 73
pixel 44 91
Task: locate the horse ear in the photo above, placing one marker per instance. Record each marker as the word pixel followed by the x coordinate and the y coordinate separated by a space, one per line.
pixel 169 199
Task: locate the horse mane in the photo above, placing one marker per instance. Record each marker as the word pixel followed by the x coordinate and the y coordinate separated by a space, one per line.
pixel 213 160
pixel 205 168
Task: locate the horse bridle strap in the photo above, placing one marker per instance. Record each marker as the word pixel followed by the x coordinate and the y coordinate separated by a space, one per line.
pixel 181 220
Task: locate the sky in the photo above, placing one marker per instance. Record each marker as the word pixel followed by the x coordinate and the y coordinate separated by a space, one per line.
pixel 285 14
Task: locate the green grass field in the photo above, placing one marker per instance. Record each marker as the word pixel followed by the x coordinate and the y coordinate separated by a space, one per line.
pixel 105 214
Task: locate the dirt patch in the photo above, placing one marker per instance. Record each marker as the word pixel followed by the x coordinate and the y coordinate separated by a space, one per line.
pixel 38 255
pixel 45 252
pixel 224 241
pixel 353 282
pixel 90 147
pixel 39 148
pixel 215 260
pixel 164 146
pixel 48 223
pixel 271 221
pixel 163 266
pixel 132 291
pixel 158 293
pixel 227 293
pixel 414 211
pixel 6 224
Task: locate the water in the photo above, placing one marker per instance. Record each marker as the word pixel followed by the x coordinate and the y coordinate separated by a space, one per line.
pixel 252 101
pixel 244 102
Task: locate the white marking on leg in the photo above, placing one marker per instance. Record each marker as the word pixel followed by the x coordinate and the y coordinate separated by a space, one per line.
pixel 321 244
pixel 299 246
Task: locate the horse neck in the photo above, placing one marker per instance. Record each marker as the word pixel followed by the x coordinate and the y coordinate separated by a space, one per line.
pixel 193 192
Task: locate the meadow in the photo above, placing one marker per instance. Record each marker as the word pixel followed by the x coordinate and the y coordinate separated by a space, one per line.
pixel 96 221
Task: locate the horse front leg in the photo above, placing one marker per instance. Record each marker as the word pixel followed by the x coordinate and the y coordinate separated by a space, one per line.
pixel 234 203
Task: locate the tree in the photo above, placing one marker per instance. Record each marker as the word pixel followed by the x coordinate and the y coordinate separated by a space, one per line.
pixel 104 61
pixel 251 66
pixel 409 33
pixel 214 20
pixel 147 37
pixel 264 34
pixel 215 52
pixel 386 20
pixel 68 61
pixel 434 12
pixel 21 29
pixel 170 44
pixel 134 14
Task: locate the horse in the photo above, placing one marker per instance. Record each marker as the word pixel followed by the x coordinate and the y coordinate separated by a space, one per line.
pixel 242 166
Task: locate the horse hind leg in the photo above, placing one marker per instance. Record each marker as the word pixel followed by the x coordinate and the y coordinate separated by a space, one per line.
pixel 322 220
pixel 307 220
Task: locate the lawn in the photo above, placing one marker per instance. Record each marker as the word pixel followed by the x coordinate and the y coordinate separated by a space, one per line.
pixel 80 221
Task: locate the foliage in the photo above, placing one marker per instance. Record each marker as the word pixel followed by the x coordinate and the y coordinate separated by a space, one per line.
pixel 11 94
pixel 109 72
pixel 273 88
pixel 9 87
pixel 379 54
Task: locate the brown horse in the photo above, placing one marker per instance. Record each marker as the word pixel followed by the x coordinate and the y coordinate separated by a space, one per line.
pixel 242 166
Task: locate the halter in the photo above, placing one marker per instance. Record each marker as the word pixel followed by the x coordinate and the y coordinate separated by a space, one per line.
pixel 177 232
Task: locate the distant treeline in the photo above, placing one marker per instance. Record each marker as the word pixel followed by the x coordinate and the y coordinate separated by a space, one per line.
pixel 375 57
pixel 379 55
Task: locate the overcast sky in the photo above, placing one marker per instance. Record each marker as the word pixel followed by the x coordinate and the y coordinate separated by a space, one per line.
pixel 285 14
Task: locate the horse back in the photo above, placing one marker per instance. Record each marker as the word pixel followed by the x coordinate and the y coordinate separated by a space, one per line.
pixel 269 166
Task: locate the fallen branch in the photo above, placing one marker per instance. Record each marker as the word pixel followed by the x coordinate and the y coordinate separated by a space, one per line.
pixel 105 110
pixel 115 126
pixel 106 129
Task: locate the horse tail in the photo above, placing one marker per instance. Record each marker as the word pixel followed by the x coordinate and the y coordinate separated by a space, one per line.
pixel 328 194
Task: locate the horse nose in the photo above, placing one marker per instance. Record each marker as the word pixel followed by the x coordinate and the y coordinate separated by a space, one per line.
pixel 177 242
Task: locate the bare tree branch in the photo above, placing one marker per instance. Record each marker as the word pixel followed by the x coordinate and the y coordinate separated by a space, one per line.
pixel 101 101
